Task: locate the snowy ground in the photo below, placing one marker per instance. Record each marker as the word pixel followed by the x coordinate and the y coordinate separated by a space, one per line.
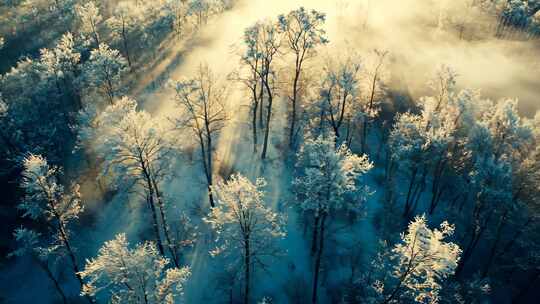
pixel 217 46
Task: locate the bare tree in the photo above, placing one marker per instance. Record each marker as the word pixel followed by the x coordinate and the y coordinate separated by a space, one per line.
pixel 376 90
pixel 202 98
pixel 263 41
pixel 248 75
pixel 338 93
pixel 302 32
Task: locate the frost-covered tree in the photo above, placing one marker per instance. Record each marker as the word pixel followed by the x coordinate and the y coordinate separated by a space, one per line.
pixel 47 200
pixel 201 100
pixel 516 13
pixel 417 266
pixel 104 71
pixel 137 275
pixel 407 146
pixel 39 116
pixel 263 42
pixel 430 143
pixel 246 228
pixel 328 184
pixel 61 65
pixel 248 75
pixel 302 32
pixel 137 149
pixel 20 129
pixel 202 10
pixel 178 10
pixel 89 20
pixel 441 116
pixel 496 143
pixel 534 25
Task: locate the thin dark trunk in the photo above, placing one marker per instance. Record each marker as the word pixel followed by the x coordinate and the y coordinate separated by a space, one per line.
pixel 495 246
pixel 348 135
pixel 151 203
pixel 254 120
pixel 247 262
pixel 268 115
pixel 261 106
pixel 315 235
pixel 171 246
pixel 436 199
pixel 110 90
pixel 150 200
pixel 419 190
pixel 294 103
pixel 124 39
pixel 209 160
pixel 318 261
pixel 71 255
pixel 476 234
pixel 411 184
pixel 204 153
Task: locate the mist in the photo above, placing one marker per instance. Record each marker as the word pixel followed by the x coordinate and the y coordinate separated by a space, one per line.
pixel 416 33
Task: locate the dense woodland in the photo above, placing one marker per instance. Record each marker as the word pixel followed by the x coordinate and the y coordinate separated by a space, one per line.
pixel 193 151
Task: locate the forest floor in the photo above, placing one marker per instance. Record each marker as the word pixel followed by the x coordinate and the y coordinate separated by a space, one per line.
pixel 216 45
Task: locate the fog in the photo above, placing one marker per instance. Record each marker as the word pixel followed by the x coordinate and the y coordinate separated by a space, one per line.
pixel 417 33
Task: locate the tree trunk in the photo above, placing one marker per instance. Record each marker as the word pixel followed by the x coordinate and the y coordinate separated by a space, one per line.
pixel 247 265
pixel 318 261
pixel 150 200
pixel 477 232
pixel 268 116
pixel 261 106
pixel 408 199
pixel 124 40
pixel 71 255
pixel 364 135
pixel 294 101
pixel 207 169
pixel 254 120
pixel 171 246
pixel 436 188
pixel 493 250
pixel 209 161
pixel 315 235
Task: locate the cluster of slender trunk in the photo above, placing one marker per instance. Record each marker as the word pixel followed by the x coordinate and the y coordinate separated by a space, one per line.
pixel 154 197
pixel 372 95
pixel 480 219
pixel 417 185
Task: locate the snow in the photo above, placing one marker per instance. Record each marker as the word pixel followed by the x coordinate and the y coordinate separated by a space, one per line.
pixel 186 188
